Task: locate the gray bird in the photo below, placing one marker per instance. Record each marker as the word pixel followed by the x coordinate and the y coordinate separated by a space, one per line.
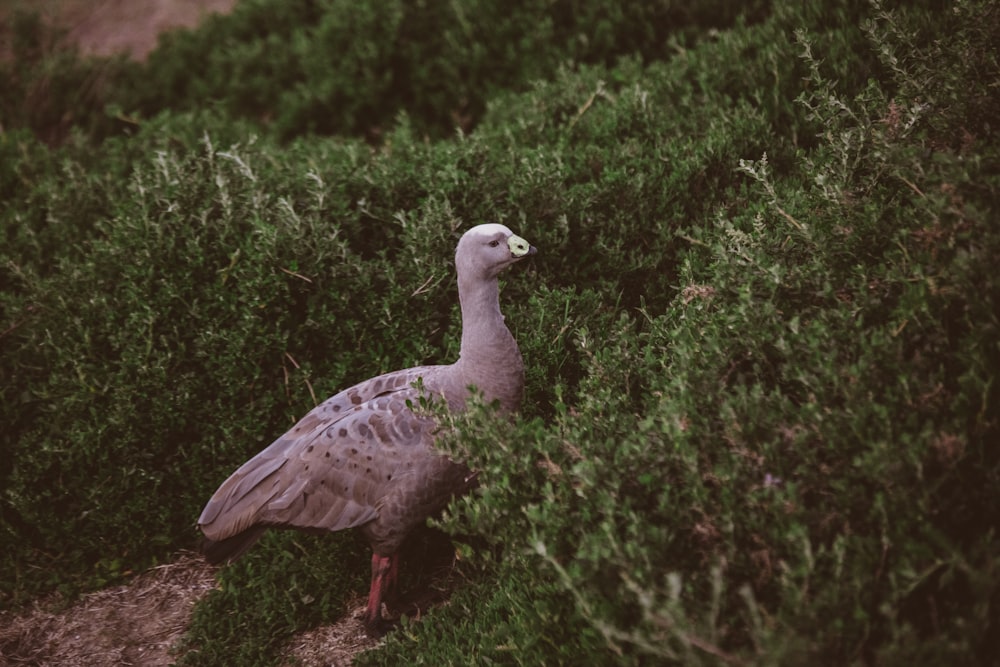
pixel 362 458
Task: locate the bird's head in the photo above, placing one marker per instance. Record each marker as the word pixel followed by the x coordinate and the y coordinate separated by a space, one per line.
pixel 486 250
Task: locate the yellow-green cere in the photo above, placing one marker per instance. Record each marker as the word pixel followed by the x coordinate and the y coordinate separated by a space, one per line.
pixel 518 246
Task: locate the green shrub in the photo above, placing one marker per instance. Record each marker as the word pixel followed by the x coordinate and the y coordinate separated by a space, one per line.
pixel 780 465
pixel 345 68
pixel 199 296
pixel 289 582
pixel 760 333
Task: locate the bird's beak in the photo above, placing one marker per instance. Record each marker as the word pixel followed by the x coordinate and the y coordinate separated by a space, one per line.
pixel 519 247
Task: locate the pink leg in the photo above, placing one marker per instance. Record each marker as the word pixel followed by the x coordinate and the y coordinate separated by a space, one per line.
pixel 384 573
pixel 392 575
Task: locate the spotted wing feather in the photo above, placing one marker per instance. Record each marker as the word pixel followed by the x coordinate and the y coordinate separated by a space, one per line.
pixel 333 468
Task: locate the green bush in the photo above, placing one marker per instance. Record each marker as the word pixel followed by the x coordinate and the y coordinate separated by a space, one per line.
pixel 288 583
pixel 760 333
pixel 341 67
pixel 779 464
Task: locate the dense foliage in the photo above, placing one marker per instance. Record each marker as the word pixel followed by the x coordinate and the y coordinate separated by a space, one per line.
pixel 761 422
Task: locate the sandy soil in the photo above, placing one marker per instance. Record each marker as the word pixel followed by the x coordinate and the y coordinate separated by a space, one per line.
pixel 105 27
pixel 136 624
pixel 141 623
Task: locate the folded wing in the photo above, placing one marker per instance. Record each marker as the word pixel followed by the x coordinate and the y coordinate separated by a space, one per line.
pixel 332 469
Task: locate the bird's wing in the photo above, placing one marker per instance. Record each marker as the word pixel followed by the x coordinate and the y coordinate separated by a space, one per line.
pixel 330 471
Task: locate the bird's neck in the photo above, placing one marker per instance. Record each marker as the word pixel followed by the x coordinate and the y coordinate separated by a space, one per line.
pixel 489 355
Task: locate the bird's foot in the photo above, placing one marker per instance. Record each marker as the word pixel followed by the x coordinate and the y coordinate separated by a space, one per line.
pixel 380 627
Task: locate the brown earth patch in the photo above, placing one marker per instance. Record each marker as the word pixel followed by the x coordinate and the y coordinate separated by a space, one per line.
pixel 106 27
pixel 134 624
pixel 142 623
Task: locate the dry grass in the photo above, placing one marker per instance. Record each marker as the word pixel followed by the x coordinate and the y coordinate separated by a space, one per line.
pixel 330 645
pixel 134 624
pixel 141 622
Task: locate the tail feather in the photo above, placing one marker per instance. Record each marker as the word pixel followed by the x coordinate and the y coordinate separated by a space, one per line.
pixel 229 549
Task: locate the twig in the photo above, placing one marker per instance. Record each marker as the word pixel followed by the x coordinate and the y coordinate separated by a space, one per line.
pixel 297 275
pixel 712 649
pixel 15 325
pixel 693 240
pixel 422 289
pixel 312 392
pixel 912 187
pixel 798 225
pixel 590 101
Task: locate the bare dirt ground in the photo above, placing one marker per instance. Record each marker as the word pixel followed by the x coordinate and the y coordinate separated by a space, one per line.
pixel 142 622
pixel 106 27
pixel 135 624
pixel 139 623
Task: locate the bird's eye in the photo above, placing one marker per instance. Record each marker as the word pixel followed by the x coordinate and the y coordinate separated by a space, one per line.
pixel 494 244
